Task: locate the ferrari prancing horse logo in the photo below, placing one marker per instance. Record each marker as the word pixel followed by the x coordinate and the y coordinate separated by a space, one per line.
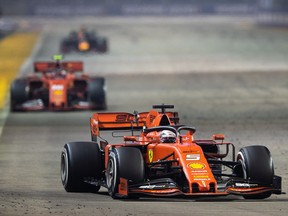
pixel 150 155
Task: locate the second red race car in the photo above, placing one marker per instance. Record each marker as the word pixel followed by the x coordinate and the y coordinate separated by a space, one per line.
pixel 57 85
pixel 157 156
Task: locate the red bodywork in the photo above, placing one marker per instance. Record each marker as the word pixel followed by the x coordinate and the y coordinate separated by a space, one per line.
pixel 187 160
pixel 54 86
pixel 56 83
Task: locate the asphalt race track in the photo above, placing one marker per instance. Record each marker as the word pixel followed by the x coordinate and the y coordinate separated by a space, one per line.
pixel 239 90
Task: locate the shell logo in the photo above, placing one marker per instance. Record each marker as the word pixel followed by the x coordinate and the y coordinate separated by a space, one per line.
pixel 196 165
pixel 58 92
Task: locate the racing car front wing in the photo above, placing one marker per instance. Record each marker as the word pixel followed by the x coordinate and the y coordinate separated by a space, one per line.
pixel 38 105
pixel 167 187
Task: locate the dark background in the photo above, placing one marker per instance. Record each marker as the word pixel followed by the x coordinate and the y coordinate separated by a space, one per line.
pixel 140 7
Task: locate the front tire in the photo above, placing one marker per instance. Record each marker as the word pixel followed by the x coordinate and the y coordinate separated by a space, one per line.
pixel 102 44
pixel 80 160
pixel 19 93
pixel 124 162
pixel 257 166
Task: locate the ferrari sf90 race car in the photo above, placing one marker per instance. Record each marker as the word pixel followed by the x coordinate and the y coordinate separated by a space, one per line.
pixel 57 85
pixel 84 41
pixel 157 156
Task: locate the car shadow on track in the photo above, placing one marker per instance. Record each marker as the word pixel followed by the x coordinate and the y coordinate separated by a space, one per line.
pixel 229 198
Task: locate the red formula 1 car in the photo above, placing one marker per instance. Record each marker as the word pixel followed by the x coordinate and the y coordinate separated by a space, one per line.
pixel 57 86
pixel 84 41
pixel 160 157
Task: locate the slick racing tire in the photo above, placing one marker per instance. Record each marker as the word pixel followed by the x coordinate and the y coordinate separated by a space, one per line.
pixel 96 93
pixel 19 93
pixel 102 45
pixel 64 47
pixel 124 162
pixel 80 161
pixel 257 166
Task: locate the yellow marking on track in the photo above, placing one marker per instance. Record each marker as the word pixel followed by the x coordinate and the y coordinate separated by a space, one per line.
pixel 3 88
pixel 14 49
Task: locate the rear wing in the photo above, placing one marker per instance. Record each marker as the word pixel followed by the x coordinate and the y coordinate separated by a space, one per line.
pixel 123 120
pixel 71 66
pixel 117 120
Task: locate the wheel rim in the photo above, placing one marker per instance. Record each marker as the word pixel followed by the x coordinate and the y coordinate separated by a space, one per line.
pixel 111 172
pixel 242 162
pixel 64 167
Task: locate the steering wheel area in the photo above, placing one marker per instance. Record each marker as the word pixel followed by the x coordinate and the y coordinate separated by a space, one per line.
pixel 160 128
pixel 178 130
pixel 192 130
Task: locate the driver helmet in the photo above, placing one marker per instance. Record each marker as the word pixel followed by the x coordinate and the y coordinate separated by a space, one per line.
pixel 63 73
pixel 167 136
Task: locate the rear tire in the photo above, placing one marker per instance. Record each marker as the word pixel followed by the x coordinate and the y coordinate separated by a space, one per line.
pixel 102 45
pixel 124 162
pixel 80 160
pixel 19 93
pixel 64 46
pixel 96 93
pixel 257 166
